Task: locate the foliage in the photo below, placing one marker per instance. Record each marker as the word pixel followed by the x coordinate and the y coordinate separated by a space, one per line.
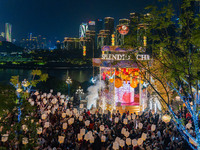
pixel 22 113
pixel 174 67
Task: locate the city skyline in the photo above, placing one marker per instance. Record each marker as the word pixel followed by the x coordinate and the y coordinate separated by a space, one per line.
pixel 56 20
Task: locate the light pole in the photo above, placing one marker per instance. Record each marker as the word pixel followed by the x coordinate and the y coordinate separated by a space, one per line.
pixel 69 81
pixel 79 92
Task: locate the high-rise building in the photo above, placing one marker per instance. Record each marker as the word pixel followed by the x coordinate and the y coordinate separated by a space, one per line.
pixel 124 21
pixel 91 25
pixel 82 29
pixel 98 25
pixel 109 24
pixel 8 28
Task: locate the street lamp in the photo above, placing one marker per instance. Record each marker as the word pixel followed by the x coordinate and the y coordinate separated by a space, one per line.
pixel 69 81
pixel 79 92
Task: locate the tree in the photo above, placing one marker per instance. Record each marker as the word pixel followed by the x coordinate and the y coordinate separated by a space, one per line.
pixel 175 61
pixel 19 123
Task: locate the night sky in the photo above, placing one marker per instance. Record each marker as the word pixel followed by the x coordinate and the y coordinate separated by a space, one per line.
pixel 61 18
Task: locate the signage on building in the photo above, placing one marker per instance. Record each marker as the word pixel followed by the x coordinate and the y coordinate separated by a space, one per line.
pixel 143 57
pixel 124 57
pixel 123 29
pixel 116 57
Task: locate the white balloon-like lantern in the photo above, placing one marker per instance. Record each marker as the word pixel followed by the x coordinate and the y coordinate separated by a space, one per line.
pixel 140 125
pixel 61 139
pixel 101 127
pixel 188 126
pixel 82 132
pixel 140 141
pixel 116 119
pixel 58 94
pixel 81 105
pixel 115 145
pixel 63 115
pixel 91 139
pixel 144 136
pixel 80 136
pixel 87 122
pixel 44 116
pixel 39 130
pixel 125 121
pixel 64 125
pixel 32 103
pixel 123 131
pixel 128 141
pixel 46 125
pixel 80 118
pixel 4 137
pixel 103 138
pixel 153 127
pixel 121 143
pixel 126 134
pixel 25 140
pixel 133 116
pixel 134 142
pixel 129 117
pixel 166 118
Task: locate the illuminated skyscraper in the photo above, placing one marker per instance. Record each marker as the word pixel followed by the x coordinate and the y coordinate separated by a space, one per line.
pixel 91 25
pixel 8 32
pixel 82 30
pixel 109 24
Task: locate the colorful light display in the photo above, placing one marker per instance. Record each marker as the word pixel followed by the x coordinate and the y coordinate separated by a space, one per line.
pixel 123 29
pixel 84 50
pixel 82 30
pixel 8 28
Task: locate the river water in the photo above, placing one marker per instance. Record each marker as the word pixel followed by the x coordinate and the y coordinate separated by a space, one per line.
pixel 56 78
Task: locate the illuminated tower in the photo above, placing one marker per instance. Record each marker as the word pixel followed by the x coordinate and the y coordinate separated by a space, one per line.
pixel 91 25
pixel 82 30
pixel 109 24
pixel 8 32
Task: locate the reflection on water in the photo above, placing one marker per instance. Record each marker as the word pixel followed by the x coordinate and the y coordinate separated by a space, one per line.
pixel 77 75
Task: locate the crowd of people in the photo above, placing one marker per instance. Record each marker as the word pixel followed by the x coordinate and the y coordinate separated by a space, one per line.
pixel 64 127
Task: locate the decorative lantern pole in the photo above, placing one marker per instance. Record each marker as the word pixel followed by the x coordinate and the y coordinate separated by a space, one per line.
pixel 69 81
pixel 79 92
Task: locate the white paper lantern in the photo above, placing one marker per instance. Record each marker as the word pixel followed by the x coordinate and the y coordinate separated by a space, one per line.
pixel 101 127
pixel 81 105
pixel 58 94
pixel 36 93
pixel 86 137
pixel 62 96
pixel 44 101
pixel 38 97
pixel 140 141
pixel 133 116
pixel 128 141
pixel 46 125
pixel 61 139
pixel 116 119
pixel 38 103
pixel 153 127
pixel 39 130
pixel 32 103
pixel 24 127
pixel 80 136
pixel 25 140
pixel 134 142
pixel 71 121
pixel 75 110
pixel 117 139
pixel 129 117
pixel 103 138
pixel 63 115
pixel 115 146
pixel 44 94
pixel 188 126
pixel 121 143
pixel 80 118
pixel 123 107
pixel 140 125
pixel 87 122
pixel 29 100
pixel 125 121
pixel 44 116
pixel 51 90
pixel 123 131
pixel 166 118
pixel 144 136
pixel 61 101
pixel 4 137
pixel 126 134
pixel 82 132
